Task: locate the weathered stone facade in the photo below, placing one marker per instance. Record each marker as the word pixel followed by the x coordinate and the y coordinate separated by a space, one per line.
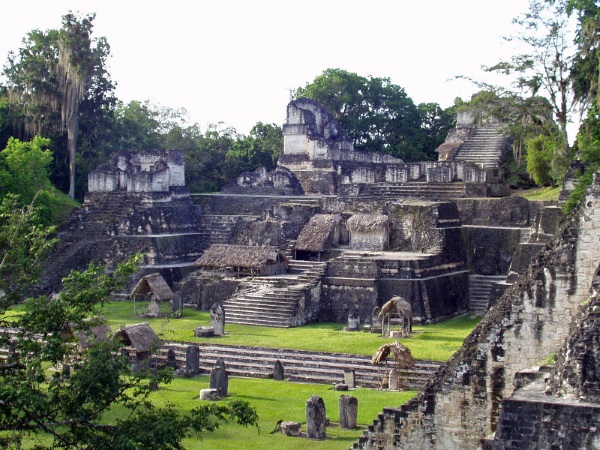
pixel 146 171
pixel 460 408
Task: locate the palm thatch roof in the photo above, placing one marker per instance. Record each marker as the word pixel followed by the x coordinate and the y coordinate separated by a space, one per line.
pixel 97 333
pixel 314 236
pixel 367 223
pixel 140 336
pixel 222 256
pixel 155 284
pixel 400 353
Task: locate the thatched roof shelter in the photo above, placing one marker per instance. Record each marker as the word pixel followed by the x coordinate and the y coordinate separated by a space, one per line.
pixel 140 336
pixel 88 337
pixel 314 237
pixel 400 353
pixel 155 284
pixel 245 258
pixel 367 223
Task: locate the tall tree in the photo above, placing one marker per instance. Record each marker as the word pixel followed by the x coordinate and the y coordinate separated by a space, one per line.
pixel 585 72
pixel 377 114
pixel 51 76
pixel 544 68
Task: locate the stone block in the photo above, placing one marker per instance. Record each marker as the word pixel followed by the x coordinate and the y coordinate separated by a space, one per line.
pixel 291 428
pixel 278 372
pixel 316 418
pixel 348 408
pixel 209 394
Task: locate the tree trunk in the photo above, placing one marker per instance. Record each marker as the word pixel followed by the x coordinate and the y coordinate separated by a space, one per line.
pixel 72 132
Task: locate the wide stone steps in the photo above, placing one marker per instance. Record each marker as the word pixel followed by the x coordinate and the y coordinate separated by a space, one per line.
pixel 274 301
pixel 485 148
pixel 305 366
pixel 480 287
pixel 432 191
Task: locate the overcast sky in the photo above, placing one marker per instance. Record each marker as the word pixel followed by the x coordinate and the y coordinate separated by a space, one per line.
pixel 235 61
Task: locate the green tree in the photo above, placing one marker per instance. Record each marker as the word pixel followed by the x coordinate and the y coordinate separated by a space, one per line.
pixel 52 75
pixel 205 163
pixel 376 114
pixel 544 70
pixel 585 71
pixel 70 409
pixel 24 168
pixel 539 159
pixel 24 242
pixel 261 147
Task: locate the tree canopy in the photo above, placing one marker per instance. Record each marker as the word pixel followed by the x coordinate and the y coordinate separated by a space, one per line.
pixel 378 115
pixel 52 75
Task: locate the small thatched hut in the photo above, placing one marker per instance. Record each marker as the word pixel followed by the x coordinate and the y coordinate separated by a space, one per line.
pixel 155 289
pixel 321 233
pixel 97 333
pixel 243 260
pixel 139 341
pixel 369 231
pixel 154 285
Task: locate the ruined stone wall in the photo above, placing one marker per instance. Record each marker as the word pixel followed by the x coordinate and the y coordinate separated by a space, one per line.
pixel 460 406
pixel 348 286
pixel 490 250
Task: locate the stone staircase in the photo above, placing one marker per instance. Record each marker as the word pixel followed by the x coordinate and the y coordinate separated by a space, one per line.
pixel 219 229
pixel 485 147
pixel 309 367
pixel 480 287
pixel 276 301
pixel 432 191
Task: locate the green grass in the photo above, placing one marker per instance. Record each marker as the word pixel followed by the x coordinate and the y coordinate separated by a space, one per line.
pixel 541 194
pixel 277 400
pixel 432 342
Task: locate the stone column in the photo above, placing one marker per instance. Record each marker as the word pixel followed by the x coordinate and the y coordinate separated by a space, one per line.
pixel 393 380
pixel 350 378
pixel 348 411
pixel 315 417
pixel 278 372
pixel 219 380
pixel 192 359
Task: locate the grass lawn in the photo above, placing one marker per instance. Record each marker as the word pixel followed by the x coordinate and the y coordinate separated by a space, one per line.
pixel 540 194
pixel 431 342
pixel 277 400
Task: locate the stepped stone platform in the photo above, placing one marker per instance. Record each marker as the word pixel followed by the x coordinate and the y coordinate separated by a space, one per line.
pixel 310 367
pixel 276 301
pixel 430 191
pixel 480 288
pixel 485 147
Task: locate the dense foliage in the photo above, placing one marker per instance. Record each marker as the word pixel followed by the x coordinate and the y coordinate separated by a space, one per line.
pixel 51 76
pixel 66 409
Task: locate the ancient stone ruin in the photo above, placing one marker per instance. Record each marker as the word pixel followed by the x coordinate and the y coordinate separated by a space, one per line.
pixel 334 232
pixel 370 227
pixel 492 393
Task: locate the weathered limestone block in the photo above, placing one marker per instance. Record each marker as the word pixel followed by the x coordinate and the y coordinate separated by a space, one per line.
pixel 219 381
pixel 350 378
pixel 192 360
pixel 209 394
pixel 217 319
pixel 291 428
pixel 204 331
pixel 315 418
pixel 278 372
pixel 348 411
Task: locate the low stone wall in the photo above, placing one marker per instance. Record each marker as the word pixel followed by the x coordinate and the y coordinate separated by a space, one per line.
pixel 536 421
pixel 490 250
